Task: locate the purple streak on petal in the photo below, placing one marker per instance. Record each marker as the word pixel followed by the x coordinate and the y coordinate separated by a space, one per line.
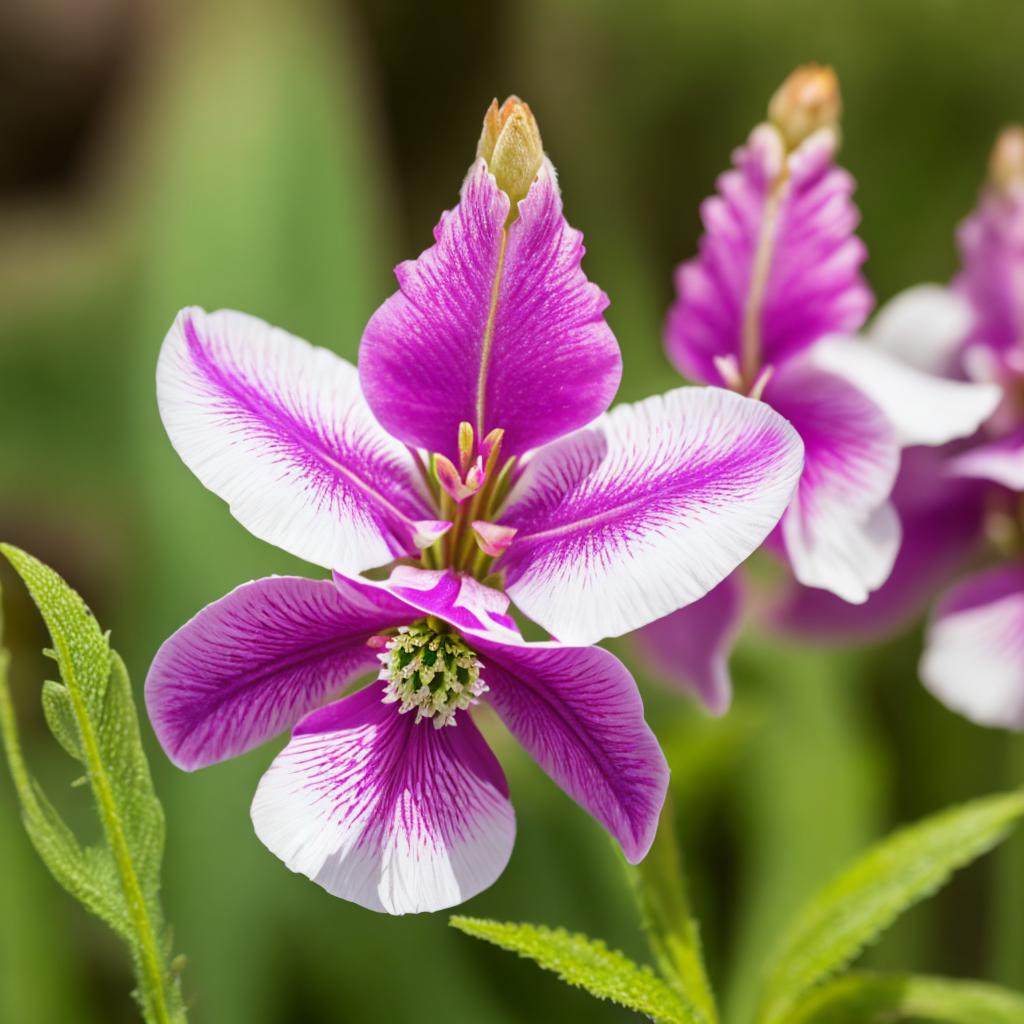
pixel 991 244
pixel 577 712
pixel 690 648
pixel 1001 461
pixel 839 532
pixel 974 650
pixel 396 817
pixel 251 664
pixel 942 523
pixel 279 430
pixel 814 285
pixel 645 511
pixel 522 320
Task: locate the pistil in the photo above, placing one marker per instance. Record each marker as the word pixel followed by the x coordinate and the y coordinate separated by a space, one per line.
pixel 430 670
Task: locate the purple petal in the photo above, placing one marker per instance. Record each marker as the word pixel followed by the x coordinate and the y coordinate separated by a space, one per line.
pixel 992 254
pixel 690 648
pixel 280 431
pixel 494 332
pixel 941 526
pixel 1001 461
pixel 458 599
pixel 577 712
pixel 394 816
pixel 923 408
pixel 253 663
pixel 813 285
pixel 646 511
pixel 974 651
pixel 840 532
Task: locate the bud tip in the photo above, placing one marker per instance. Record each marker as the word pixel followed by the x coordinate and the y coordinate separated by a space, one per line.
pixel 510 143
pixel 806 101
pixel 1006 165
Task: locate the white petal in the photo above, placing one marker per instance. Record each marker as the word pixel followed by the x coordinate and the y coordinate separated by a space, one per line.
pixel 923 409
pixel 279 429
pixel 848 556
pixel 922 327
pixel 974 655
pixel 395 816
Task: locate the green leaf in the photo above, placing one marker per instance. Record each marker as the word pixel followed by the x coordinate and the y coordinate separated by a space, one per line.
pixel 865 899
pixel 585 963
pixel 92 715
pixel 672 931
pixel 80 872
pixel 887 998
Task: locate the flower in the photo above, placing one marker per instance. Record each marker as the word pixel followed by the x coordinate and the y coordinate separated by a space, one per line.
pixel 474 439
pixel 769 308
pixel 961 503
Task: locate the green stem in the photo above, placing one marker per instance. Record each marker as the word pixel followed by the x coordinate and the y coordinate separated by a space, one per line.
pixel 152 976
pixel 672 933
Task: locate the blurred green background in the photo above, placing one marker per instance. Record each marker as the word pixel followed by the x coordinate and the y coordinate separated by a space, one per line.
pixel 281 158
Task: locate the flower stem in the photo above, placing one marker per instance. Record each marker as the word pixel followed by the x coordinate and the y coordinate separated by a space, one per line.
pixel 153 976
pixel 672 933
pixel 751 343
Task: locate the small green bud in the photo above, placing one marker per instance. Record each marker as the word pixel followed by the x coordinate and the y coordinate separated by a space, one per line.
pixel 510 143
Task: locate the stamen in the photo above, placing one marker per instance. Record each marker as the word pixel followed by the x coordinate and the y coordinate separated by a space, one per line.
pixel 432 672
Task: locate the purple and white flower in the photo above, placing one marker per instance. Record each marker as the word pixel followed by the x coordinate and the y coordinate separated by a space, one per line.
pixel 962 503
pixel 473 439
pixel 769 307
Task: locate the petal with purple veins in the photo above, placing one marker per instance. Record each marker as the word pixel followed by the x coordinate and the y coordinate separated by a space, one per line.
pixel 840 533
pixel 577 712
pixel 974 650
pixel 646 511
pixel 394 816
pixel 279 430
pixel 779 260
pixel 498 328
pixel 250 665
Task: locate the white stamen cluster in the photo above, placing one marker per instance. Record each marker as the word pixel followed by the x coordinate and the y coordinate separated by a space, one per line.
pixel 433 672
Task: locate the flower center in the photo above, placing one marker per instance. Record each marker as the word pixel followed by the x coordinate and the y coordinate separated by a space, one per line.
pixel 432 671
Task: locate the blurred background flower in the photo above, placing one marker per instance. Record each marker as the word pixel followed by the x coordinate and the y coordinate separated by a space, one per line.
pixel 280 158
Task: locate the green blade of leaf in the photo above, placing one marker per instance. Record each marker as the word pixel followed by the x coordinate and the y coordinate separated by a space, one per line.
pixel 672 931
pixel 585 963
pixel 866 998
pixel 103 733
pixel 57 847
pixel 865 899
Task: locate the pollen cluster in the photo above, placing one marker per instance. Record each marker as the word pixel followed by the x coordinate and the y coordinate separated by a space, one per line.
pixel 430 671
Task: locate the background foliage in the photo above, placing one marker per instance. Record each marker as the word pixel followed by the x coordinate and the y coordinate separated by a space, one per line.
pixel 280 158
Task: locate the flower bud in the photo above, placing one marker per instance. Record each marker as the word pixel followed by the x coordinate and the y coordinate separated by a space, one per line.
pixel 806 101
pixel 1006 165
pixel 510 143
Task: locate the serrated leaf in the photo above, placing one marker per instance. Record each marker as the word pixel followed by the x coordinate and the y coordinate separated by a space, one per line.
pixel 585 963
pixel 92 715
pixel 672 931
pixel 865 899
pixel 887 998
pixel 70 865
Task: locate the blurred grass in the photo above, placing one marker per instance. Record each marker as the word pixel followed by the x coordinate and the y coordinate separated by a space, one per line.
pixel 280 159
